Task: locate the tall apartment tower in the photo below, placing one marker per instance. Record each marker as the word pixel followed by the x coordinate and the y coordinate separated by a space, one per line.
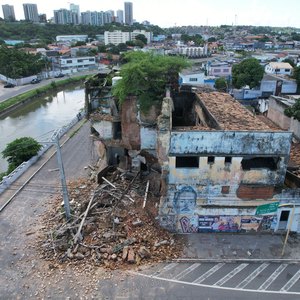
pixel 120 16
pixel 75 13
pixel 128 13
pixel 8 12
pixel 31 12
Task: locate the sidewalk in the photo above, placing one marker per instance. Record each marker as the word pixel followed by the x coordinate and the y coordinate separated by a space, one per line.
pixel 237 246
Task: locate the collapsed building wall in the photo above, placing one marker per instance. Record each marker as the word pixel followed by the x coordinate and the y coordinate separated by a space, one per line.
pixel 215 178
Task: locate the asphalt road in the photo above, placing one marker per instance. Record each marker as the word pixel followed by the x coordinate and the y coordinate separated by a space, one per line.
pixel 6 93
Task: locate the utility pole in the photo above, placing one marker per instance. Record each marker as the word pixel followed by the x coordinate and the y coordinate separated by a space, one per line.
pixel 63 179
pixel 289 227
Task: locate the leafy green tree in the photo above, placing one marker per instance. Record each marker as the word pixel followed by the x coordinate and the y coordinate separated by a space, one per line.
pixel 142 38
pixel 290 61
pixel 20 150
pixel 139 43
pixel 248 72
pixel 21 64
pixel 293 111
pixel 146 75
pixel 79 43
pixel 296 75
pixel 221 84
pixel 212 39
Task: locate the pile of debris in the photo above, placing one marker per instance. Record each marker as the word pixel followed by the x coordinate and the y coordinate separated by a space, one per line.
pixel 113 223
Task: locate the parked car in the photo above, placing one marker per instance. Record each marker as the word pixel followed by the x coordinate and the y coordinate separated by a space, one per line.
pixel 35 80
pixel 59 75
pixel 9 85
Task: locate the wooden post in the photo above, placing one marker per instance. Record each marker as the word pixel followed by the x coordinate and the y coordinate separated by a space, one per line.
pixel 146 194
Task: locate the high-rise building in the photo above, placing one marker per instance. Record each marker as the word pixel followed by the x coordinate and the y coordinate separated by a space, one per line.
pixel 120 16
pixel 62 16
pixel 128 13
pixel 8 12
pixel 75 11
pixel 43 18
pixel 31 12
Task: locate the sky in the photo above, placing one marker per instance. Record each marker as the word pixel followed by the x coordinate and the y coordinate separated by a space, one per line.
pixel 168 13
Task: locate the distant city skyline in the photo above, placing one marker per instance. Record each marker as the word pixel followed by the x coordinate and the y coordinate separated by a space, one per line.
pixel 168 13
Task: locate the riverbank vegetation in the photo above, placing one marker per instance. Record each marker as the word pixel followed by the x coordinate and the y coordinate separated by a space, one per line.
pixel 39 91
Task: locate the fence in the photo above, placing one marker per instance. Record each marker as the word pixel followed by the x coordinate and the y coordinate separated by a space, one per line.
pixel 21 169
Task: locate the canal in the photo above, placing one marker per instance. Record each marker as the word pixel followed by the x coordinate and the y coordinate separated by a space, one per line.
pixel 39 118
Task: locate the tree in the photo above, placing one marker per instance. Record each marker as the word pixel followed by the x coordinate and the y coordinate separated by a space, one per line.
pixel 20 150
pixel 146 75
pixel 290 61
pixel 212 39
pixel 80 43
pixel 296 75
pixel 293 111
pixel 248 72
pixel 21 64
pixel 142 38
pixel 221 84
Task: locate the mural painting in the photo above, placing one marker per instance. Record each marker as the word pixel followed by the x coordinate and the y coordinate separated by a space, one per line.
pixel 189 224
pixel 185 200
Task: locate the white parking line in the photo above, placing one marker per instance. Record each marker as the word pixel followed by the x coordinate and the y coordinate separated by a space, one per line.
pixel 231 274
pixel 186 271
pixel 248 279
pixel 272 277
pixel 291 282
pixel 166 268
pixel 211 286
pixel 209 273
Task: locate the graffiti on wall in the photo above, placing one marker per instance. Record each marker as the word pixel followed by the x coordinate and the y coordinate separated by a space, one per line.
pixel 189 224
pixel 185 200
pixel 168 222
pixel 219 223
pixel 236 223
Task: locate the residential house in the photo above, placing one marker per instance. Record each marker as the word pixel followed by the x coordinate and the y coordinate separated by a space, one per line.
pixel 73 64
pixel 219 69
pixel 191 77
pixel 277 68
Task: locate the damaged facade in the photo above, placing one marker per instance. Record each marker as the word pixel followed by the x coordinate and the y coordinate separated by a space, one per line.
pixel 217 162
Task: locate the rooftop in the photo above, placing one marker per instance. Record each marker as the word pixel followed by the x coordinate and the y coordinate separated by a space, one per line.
pixel 230 114
pixel 280 65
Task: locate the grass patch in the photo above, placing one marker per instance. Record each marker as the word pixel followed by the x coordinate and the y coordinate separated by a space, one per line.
pixel 39 91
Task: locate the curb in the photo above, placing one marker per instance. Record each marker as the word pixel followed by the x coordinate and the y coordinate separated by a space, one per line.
pixel 237 260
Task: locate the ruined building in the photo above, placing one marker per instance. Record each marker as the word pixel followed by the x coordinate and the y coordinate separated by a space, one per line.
pixel 217 161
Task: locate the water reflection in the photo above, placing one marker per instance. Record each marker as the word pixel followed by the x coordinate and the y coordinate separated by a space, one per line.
pixel 40 116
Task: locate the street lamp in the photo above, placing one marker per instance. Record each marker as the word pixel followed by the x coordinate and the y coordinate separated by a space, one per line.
pixel 289 225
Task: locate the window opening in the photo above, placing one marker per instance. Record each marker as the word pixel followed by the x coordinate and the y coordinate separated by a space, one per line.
pixel 187 162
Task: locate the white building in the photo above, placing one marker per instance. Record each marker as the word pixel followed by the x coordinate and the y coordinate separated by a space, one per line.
pixel 120 16
pixel 191 77
pixel 192 51
pixel 72 38
pixel 74 64
pixel 116 37
pixel 279 68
